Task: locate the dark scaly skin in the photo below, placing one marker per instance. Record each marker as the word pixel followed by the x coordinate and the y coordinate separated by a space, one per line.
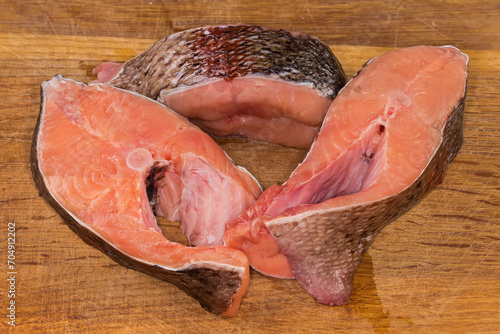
pixel 333 242
pixel 213 288
pixel 194 56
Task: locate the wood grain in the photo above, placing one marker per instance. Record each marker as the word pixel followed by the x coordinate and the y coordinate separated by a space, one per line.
pixel 436 269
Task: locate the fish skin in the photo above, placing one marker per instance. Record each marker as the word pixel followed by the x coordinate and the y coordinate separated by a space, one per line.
pixel 218 288
pixel 193 56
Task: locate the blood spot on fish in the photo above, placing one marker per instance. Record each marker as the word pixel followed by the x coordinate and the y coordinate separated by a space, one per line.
pixel 381 129
pixel 156 173
pixel 150 188
pixel 368 157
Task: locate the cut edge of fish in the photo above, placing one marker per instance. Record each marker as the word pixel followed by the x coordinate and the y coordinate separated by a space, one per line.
pixel 212 277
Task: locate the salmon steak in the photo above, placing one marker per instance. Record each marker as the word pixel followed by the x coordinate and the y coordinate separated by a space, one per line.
pixel 386 141
pixel 266 84
pixel 106 158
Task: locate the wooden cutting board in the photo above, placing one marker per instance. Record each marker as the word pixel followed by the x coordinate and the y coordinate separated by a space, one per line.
pixel 436 269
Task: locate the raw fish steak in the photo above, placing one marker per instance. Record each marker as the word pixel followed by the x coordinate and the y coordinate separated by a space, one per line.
pixel 386 140
pixel 266 84
pixel 102 156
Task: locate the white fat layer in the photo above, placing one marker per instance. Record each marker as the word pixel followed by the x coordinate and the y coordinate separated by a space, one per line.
pixel 270 77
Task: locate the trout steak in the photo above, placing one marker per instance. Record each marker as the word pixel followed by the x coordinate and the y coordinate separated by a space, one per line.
pixel 386 141
pixel 99 151
pixel 266 84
